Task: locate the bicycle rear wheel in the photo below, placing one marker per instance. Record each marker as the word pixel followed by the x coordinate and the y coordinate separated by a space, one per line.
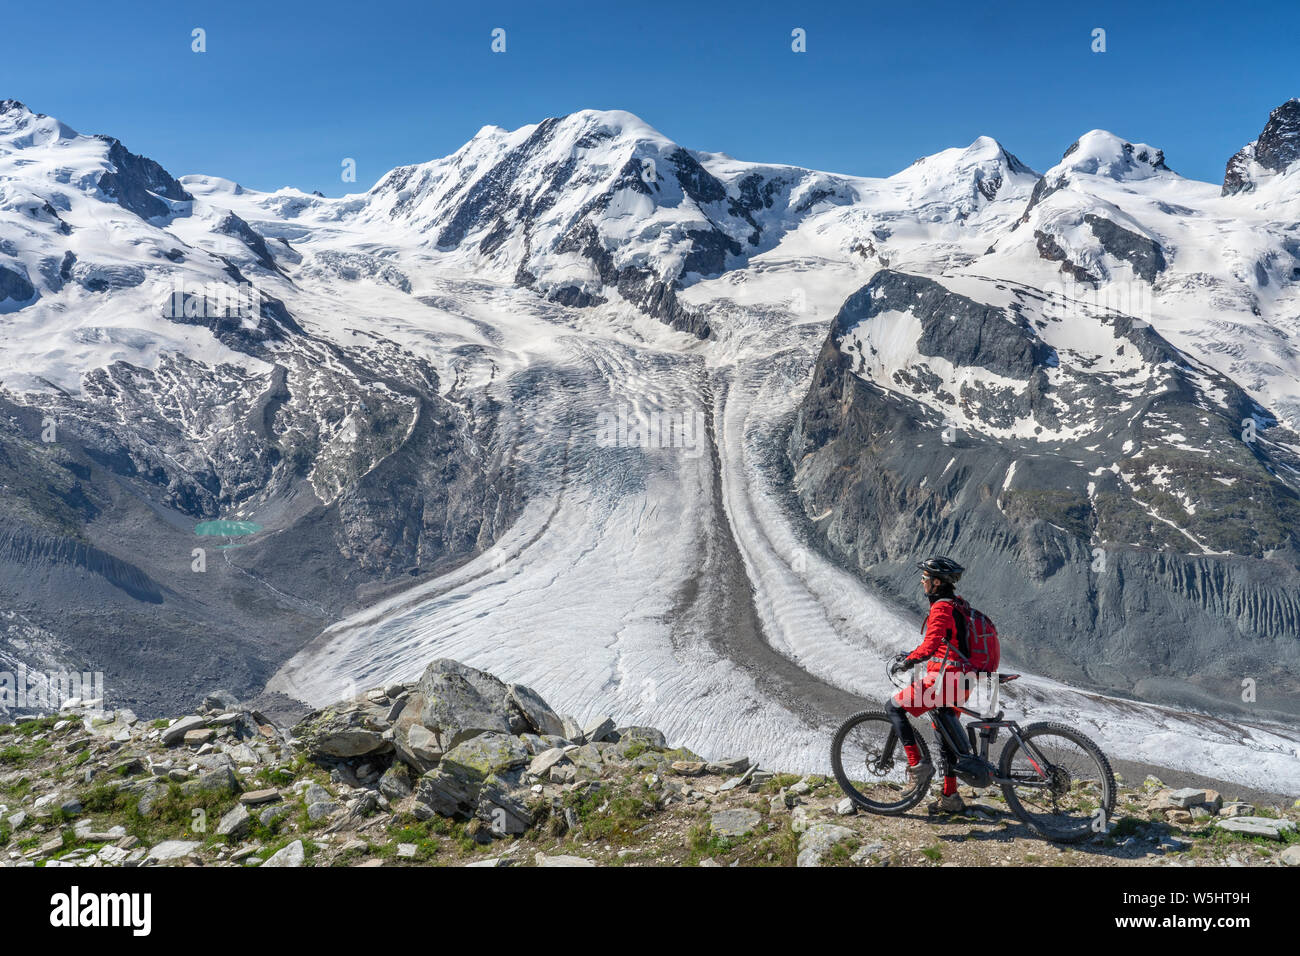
pixel 873 777
pixel 1069 798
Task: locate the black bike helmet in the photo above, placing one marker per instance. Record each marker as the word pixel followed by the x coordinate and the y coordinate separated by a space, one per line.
pixel 945 569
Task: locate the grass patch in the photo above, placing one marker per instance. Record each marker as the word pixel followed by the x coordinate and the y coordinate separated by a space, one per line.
pixel 613 814
pixel 780 781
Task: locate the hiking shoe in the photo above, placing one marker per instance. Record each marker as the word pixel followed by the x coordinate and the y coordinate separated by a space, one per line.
pixel 920 774
pixel 952 803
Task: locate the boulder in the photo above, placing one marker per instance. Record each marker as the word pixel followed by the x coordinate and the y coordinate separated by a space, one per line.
pixel 347 731
pixel 535 711
pixel 486 754
pixel 731 766
pixel 460 702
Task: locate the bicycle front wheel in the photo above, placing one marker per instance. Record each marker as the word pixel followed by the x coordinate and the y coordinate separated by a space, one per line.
pixel 871 767
pixel 1063 787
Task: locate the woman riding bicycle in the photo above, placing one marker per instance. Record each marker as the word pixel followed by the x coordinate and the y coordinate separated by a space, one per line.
pixel 945 644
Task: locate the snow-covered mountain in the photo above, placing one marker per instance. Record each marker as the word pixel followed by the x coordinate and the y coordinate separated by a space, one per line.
pixel 384 418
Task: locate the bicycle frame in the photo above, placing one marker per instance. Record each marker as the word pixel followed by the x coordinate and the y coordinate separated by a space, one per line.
pixel 979 736
pixel 946 724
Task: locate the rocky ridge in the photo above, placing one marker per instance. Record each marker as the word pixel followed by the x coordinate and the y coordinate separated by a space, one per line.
pixel 460 768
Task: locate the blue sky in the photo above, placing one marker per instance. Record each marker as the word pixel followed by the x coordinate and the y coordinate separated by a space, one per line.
pixel 287 89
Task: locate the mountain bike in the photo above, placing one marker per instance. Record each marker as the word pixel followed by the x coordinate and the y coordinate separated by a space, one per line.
pixel 1053 777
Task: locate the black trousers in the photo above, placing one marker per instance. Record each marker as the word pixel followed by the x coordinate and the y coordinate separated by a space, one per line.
pixel 907 736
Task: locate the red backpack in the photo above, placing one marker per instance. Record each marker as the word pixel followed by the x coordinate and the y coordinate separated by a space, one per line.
pixel 980 638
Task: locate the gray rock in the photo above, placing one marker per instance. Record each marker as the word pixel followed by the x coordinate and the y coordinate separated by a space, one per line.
pixel 504 812
pixel 846 807
pixel 236 823
pixel 346 731
pixel 1291 855
pixel 864 853
pixel 1187 797
pixel 221 779
pixel 291 855
pixel 573 730
pixel 172 850
pixel 321 809
pixel 598 729
pixel 396 781
pixel 535 711
pixel 729 766
pixel 734 823
pixel 427 746
pixel 254 797
pixel 271 814
pixel 817 841
pixel 175 733
pixel 1256 826
pixel 460 702
pixel 544 860
pixel 544 761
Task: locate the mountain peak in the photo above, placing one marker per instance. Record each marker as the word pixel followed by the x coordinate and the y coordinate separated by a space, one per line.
pixel 1102 153
pixel 1276 149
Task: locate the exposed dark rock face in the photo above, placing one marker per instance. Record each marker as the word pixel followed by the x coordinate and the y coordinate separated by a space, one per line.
pixel 14 285
pixel 1042 189
pixel 139 184
pixel 1051 250
pixel 1075 565
pixel 232 225
pixel 1277 147
pixel 1145 255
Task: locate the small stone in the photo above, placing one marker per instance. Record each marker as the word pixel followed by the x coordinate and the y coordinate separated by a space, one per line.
pixel 406 851
pixel 254 797
pixel 176 732
pixel 845 808
pixel 543 860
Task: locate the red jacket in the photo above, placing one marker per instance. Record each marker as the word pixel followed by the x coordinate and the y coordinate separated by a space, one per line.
pixel 943 630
